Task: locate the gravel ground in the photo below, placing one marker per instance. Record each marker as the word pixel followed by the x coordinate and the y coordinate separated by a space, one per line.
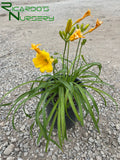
pixel 84 143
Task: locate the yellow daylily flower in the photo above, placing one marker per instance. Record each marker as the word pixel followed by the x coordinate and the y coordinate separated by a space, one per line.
pixel 35 47
pixel 88 13
pixel 76 35
pixel 43 61
pixel 98 23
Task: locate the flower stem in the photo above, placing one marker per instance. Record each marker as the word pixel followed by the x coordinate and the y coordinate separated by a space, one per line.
pixel 76 55
pixel 79 56
pixel 64 54
pixel 53 69
pixel 67 57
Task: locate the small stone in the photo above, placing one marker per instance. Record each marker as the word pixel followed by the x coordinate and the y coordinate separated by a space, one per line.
pixel 17 149
pixel 83 155
pixel 102 152
pixel 10 158
pixel 70 154
pixel 118 126
pixel 22 128
pixel 91 139
pixel 2 124
pixel 19 158
pixel 9 149
pixel 25 154
pixel 50 153
pixel 119 139
pixel 13 140
pixel 118 155
pixel 110 132
pixel 54 157
pixel 41 155
pixel 54 133
pixel 76 148
pixel 5 144
pixel 67 146
pixel 98 158
pixel 7 133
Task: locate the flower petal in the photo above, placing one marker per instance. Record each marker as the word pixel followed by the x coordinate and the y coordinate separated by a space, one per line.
pixel 49 68
pixel 76 35
pixel 88 13
pixel 36 62
pixel 98 23
pixel 43 61
pixel 35 47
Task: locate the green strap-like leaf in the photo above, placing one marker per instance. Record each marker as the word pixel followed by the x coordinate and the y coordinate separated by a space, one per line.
pixel 16 88
pixel 59 125
pixel 73 107
pixel 88 105
pixel 51 128
pixel 31 128
pixel 62 110
pixel 103 92
pixel 77 99
pixel 52 112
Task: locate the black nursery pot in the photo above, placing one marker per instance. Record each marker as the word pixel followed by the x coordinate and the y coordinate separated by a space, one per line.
pixel 70 122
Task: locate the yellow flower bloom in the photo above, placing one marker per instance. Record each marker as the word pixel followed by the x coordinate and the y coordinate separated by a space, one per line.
pixel 98 23
pixel 76 35
pixel 88 13
pixel 43 61
pixel 35 47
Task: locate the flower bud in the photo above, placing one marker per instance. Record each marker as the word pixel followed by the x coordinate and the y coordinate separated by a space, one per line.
pixel 78 27
pixel 86 27
pixel 55 61
pixel 72 30
pixel 60 33
pixel 82 27
pixel 68 26
pixel 63 33
pixel 56 53
pixel 83 42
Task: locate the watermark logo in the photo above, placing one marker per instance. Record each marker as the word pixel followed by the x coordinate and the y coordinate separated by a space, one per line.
pixel 12 9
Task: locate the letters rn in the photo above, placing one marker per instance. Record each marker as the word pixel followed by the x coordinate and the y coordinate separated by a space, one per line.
pixel 8 5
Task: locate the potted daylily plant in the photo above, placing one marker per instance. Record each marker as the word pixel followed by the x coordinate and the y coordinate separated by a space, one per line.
pixel 65 93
